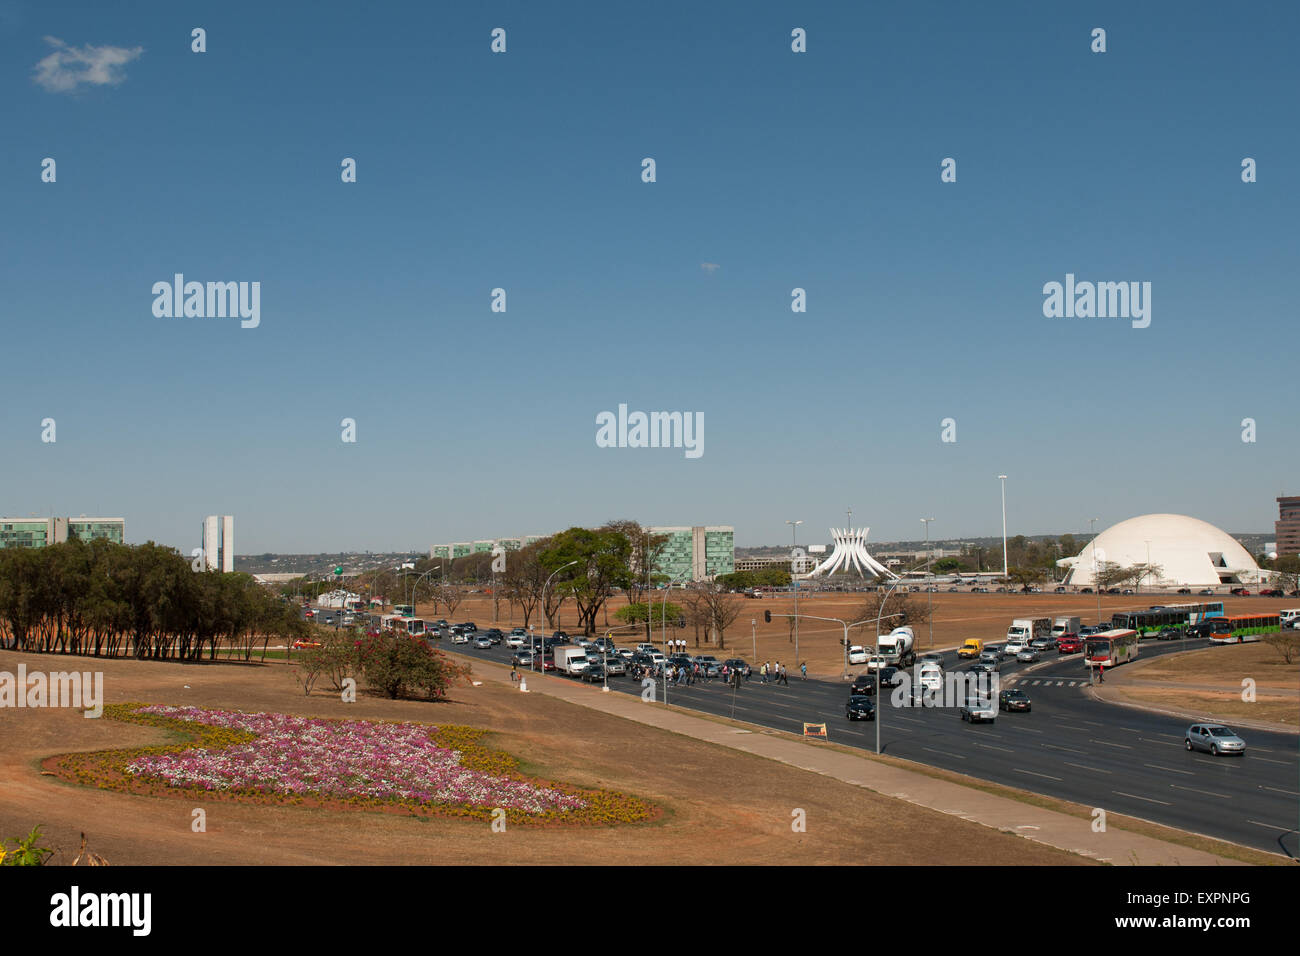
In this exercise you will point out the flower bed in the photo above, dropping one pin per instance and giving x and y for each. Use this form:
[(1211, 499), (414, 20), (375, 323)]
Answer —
[(386, 765)]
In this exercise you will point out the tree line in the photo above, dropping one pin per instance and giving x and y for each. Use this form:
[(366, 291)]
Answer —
[(103, 599)]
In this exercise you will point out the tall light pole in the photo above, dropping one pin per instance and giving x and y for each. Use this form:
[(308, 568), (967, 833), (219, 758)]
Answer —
[(1006, 571), (417, 584), (929, 600), (544, 587), (1096, 585), (794, 569)]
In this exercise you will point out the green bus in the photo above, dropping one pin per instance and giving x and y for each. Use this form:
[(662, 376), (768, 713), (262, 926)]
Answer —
[(1244, 628)]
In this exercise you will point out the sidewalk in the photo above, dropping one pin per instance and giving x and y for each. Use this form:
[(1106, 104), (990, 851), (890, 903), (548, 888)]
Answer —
[(1035, 823)]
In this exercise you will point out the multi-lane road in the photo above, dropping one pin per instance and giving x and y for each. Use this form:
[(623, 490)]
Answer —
[(1070, 745)]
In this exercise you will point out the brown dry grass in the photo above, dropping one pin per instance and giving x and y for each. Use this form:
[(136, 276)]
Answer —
[(721, 806), (1209, 681)]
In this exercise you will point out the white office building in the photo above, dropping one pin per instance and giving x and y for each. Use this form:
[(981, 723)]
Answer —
[(219, 543)]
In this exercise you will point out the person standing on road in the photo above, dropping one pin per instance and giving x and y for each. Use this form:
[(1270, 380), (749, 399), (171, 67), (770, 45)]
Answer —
[(762, 674), (1101, 673), (803, 670), (785, 676)]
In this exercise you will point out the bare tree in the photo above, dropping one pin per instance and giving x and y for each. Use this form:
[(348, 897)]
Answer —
[(451, 597), (721, 608)]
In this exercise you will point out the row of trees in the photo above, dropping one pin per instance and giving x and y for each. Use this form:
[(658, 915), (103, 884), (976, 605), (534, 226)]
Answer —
[(104, 599)]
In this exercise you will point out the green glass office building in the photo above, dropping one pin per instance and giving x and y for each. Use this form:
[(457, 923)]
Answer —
[(696, 553), (39, 532)]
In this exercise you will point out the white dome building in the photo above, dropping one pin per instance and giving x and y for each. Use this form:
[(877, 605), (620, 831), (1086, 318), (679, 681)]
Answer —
[(1188, 551)]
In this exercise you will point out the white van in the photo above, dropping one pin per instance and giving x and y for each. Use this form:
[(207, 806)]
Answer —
[(1025, 629), (1290, 618)]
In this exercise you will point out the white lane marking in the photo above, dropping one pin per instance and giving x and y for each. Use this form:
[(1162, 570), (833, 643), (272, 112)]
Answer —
[(1067, 749), (1150, 741), (1094, 723), (1083, 767), (1131, 730), (1136, 797), (1031, 730), (1094, 740), (1007, 750), (1271, 826), (1033, 774), (944, 752), (1284, 763), (1208, 793), (1277, 790), (1156, 766)]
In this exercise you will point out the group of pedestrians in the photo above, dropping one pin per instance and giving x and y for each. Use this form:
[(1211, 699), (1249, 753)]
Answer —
[(778, 673)]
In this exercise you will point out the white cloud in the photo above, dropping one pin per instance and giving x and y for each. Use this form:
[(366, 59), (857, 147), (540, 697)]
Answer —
[(70, 67), (710, 267)]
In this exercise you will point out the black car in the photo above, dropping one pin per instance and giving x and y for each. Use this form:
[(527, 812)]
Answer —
[(890, 677), (860, 707), (1203, 629), (863, 684), (468, 626), (1169, 634), (595, 673), (494, 634), (1014, 700)]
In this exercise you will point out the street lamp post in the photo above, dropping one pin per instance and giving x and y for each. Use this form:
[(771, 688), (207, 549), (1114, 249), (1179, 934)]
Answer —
[(1005, 569), (794, 570), (1096, 584), (544, 587), (929, 574)]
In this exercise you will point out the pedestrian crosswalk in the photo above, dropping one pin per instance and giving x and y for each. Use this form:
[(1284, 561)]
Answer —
[(1048, 682)]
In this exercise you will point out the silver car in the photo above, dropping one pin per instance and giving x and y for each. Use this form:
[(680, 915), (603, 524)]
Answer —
[(1028, 655), (1215, 739)]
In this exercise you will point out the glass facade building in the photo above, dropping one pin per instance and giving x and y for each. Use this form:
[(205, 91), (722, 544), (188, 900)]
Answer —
[(696, 553), (39, 532)]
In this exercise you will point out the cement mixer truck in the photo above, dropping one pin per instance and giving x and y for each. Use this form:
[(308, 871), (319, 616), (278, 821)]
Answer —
[(898, 647)]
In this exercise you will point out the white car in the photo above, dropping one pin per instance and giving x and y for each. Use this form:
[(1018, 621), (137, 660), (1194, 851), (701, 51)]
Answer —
[(516, 640), (876, 663), (459, 637), (857, 654), (1013, 647), (930, 678)]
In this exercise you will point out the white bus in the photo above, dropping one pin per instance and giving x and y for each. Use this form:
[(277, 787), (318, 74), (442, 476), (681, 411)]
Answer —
[(1110, 648), (411, 626)]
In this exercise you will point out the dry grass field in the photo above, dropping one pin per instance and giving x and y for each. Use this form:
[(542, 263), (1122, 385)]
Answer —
[(1209, 681), (721, 806)]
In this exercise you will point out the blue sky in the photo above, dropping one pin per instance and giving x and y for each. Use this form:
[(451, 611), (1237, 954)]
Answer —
[(522, 171)]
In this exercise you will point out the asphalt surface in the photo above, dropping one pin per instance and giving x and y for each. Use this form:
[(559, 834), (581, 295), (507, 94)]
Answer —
[(1068, 746)]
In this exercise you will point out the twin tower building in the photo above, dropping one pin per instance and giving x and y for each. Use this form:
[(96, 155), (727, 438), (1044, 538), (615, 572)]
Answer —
[(219, 543)]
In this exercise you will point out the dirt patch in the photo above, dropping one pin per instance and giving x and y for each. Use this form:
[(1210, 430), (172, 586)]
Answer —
[(720, 806)]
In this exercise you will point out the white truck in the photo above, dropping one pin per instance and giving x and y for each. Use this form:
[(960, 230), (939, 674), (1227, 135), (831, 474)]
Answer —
[(1025, 629), (571, 660), (898, 647), (1063, 626)]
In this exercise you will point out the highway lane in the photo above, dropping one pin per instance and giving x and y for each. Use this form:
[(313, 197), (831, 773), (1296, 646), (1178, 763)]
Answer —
[(1069, 746)]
